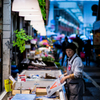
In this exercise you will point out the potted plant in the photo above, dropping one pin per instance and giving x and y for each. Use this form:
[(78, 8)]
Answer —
[(21, 37), (48, 60)]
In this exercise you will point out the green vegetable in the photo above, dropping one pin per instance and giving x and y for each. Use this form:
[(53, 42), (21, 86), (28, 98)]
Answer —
[(48, 59), (59, 67)]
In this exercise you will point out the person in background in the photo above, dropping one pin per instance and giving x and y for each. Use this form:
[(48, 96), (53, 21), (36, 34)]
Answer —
[(74, 74), (64, 44), (59, 49), (80, 44), (87, 49), (75, 42)]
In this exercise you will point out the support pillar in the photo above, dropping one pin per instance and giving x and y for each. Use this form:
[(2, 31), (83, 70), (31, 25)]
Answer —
[(6, 37)]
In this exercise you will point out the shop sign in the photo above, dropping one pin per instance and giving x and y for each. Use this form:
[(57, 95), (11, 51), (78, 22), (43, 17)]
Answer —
[(21, 78), (67, 29)]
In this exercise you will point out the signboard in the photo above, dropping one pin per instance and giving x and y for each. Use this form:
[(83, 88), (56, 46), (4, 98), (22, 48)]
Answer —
[(52, 88), (96, 25), (96, 38), (21, 78)]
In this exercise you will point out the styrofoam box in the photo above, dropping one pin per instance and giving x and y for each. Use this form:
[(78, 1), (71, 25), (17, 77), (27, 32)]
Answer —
[(54, 73)]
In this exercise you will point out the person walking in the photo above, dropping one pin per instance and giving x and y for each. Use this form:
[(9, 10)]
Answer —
[(87, 49), (64, 44), (80, 44), (74, 74), (75, 42)]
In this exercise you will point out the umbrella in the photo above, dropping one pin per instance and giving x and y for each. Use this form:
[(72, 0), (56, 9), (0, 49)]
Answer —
[(49, 33), (60, 36), (83, 37), (44, 42), (33, 41), (72, 36)]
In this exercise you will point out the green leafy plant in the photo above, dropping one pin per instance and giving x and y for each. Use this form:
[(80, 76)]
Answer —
[(59, 67), (48, 59), (42, 5), (21, 37)]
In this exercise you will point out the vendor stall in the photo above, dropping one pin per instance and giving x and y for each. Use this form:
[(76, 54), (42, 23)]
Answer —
[(40, 90)]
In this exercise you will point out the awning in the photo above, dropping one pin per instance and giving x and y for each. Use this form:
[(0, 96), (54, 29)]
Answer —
[(25, 5), (30, 10)]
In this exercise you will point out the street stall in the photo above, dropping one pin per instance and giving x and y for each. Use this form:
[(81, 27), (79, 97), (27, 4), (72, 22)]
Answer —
[(36, 82), (38, 88), (40, 58), (38, 85)]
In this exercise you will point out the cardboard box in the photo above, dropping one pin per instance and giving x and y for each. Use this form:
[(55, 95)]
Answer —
[(17, 91), (14, 92), (41, 91)]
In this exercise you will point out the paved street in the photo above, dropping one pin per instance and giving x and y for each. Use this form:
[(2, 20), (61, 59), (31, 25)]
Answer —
[(92, 90)]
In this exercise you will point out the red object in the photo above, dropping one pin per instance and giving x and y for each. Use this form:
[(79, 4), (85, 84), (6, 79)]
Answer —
[(72, 38), (69, 67), (54, 85), (9, 98), (82, 55)]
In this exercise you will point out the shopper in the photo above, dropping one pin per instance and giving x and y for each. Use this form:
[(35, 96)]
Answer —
[(64, 44), (80, 44), (75, 42), (73, 76), (87, 49)]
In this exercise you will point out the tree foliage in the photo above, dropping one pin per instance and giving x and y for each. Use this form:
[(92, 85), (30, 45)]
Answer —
[(42, 5)]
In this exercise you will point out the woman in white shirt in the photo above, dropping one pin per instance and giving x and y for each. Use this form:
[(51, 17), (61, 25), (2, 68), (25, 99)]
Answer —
[(73, 74)]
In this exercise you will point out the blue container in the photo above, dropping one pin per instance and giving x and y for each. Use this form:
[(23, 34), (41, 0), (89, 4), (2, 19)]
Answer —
[(13, 66), (15, 71)]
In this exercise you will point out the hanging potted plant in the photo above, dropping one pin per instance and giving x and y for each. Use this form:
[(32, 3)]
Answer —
[(21, 37)]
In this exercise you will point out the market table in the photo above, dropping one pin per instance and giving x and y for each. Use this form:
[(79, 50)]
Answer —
[(41, 82)]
